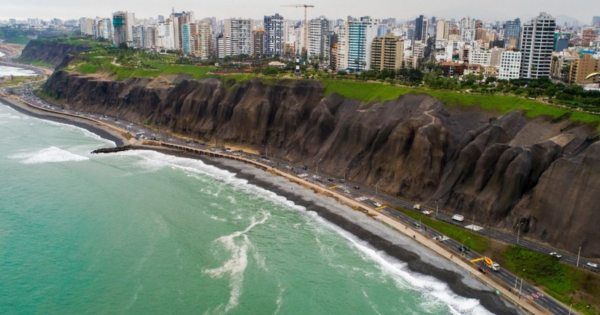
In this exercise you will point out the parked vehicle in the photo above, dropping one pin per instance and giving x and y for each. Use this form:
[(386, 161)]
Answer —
[(458, 217)]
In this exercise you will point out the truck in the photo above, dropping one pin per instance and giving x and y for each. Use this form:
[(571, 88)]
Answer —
[(458, 217), (491, 265)]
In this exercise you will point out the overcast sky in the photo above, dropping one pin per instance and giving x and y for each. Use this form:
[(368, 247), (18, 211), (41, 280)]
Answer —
[(487, 10)]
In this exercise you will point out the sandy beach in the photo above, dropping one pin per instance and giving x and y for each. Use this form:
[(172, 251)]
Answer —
[(376, 233)]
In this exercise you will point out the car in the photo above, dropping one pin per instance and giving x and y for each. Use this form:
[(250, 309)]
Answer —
[(330, 179), (555, 254), (440, 238), (417, 225), (377, 204), (356, 187), (426, 212), (593, 265), (346, 191), (464, 249), (458, 217)]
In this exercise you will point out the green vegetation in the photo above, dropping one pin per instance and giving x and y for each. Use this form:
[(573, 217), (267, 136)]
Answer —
[(18, 40), (16, 81), (38, 63), (565, 283), (475, 241), (367, 91)]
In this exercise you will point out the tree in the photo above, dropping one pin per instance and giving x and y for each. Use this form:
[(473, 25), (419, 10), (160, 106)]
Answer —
[(123, 45)]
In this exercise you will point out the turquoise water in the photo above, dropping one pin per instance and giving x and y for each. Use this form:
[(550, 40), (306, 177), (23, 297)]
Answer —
[(144, 233)]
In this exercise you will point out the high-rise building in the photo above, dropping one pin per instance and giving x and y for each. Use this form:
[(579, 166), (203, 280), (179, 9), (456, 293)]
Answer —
[(260, 40), (596, 21), (239, 34), (480, 57), (204, 40), (319, 38), (342, 48), (87, 26), (223, 46), (582, 67), (274, 42), (186, 39), (123, 27), (151, 36), (421, 25), (165, 35), (139, 37), (588, 36), (104, 28), (512, 29), (537, 40), (442, 30), (360, 36), (180, 19), (510, 65), (387, 53)]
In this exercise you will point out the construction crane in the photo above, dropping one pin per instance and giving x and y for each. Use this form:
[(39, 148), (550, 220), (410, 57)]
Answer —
[(305, 6)]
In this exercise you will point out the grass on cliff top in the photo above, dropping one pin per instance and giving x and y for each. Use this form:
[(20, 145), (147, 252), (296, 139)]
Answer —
[(367, 92), (38, 63)]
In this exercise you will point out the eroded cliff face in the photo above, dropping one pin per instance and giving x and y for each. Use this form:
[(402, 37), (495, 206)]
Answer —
[(500, 169), (50, 52)]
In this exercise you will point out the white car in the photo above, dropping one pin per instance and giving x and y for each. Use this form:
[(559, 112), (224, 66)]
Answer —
[(426, 212), (441, 238), (555, 254), (593, 265), (346, 191), (377, 204)]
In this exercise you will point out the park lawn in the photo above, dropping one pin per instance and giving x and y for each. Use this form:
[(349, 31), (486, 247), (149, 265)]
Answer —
[(475, 241), (367, 92)]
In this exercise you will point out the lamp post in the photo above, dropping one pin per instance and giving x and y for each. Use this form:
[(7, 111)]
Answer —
[(437, 208), (578, 255), (518, 232)]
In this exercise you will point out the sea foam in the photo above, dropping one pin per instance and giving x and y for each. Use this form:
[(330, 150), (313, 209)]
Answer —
[(48, 155)]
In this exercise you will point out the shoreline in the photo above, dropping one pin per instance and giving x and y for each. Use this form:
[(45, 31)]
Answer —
[(455, 276), (97, 129)]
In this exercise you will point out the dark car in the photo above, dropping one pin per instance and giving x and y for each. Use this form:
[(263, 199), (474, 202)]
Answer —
[(356, 187), (330, 179), (464, 249)]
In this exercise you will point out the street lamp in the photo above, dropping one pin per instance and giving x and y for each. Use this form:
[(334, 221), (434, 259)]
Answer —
[(518, 232), (437, 208)]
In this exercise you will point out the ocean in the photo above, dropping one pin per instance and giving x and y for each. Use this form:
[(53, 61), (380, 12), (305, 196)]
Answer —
[(141, 232)]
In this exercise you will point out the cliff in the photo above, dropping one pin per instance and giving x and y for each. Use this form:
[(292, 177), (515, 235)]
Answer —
[(50, 51), (504, 170)]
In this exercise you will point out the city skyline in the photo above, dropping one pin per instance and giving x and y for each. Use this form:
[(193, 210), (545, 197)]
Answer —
[(487, 11)]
